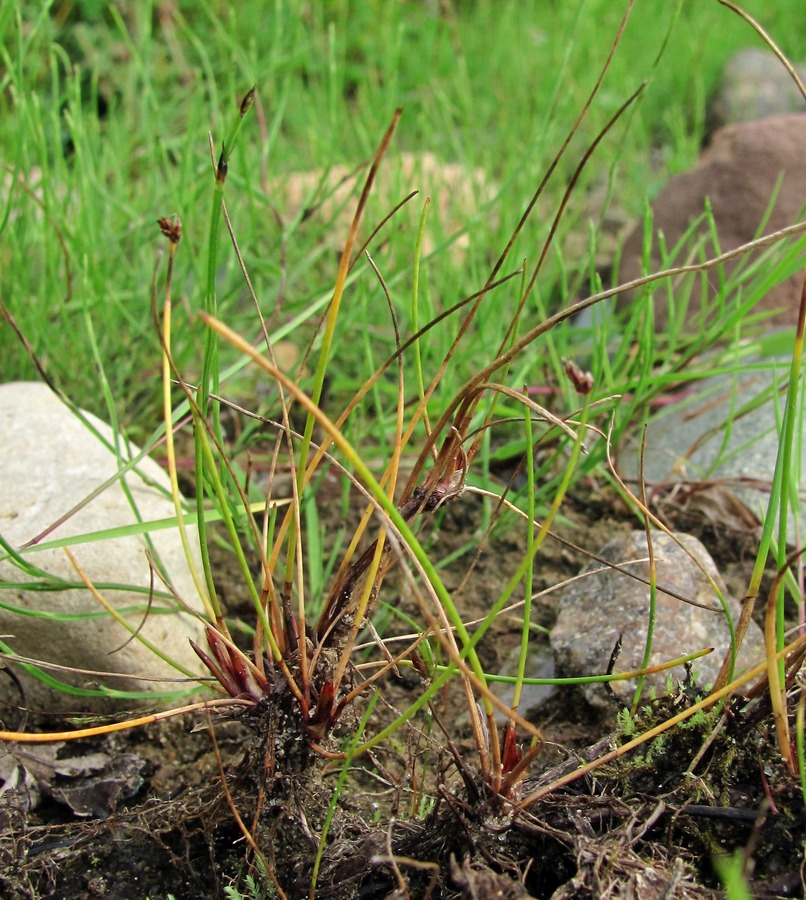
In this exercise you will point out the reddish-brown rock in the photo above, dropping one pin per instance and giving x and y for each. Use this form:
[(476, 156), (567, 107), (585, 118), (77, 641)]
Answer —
[(738, 172)]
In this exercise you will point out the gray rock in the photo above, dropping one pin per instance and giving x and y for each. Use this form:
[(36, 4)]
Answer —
[(595, 611), (539, 664), (703, 438), (738, 173), (51, 461), (755, 85)]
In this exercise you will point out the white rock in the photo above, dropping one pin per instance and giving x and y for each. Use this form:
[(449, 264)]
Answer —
[(51, 462)]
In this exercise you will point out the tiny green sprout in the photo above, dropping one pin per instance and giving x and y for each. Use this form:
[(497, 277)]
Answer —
[(626, 724), (427, 806), (730, 870), (698, 720)]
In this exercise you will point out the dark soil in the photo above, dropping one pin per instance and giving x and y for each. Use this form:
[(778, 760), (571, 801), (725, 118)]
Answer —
[(414, 820)]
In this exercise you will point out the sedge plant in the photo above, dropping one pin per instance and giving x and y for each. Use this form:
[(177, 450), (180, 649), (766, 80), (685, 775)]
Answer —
[(283, 633), (305, 673)]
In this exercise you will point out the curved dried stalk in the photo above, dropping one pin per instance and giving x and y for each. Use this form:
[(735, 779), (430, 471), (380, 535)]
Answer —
[(327, 340), (24, 737), (706, 703)]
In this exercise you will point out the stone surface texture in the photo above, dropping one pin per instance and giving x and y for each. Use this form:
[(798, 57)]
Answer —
[(596, 610), (703, 441), (756, 85), (539, 664), (457, 192), (738, 173), (51, 462)]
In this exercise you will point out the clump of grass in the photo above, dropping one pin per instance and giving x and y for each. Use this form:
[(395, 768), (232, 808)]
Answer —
[(304, 684)]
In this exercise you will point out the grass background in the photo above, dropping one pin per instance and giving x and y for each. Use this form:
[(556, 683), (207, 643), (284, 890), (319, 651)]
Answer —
[(106, 109)]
